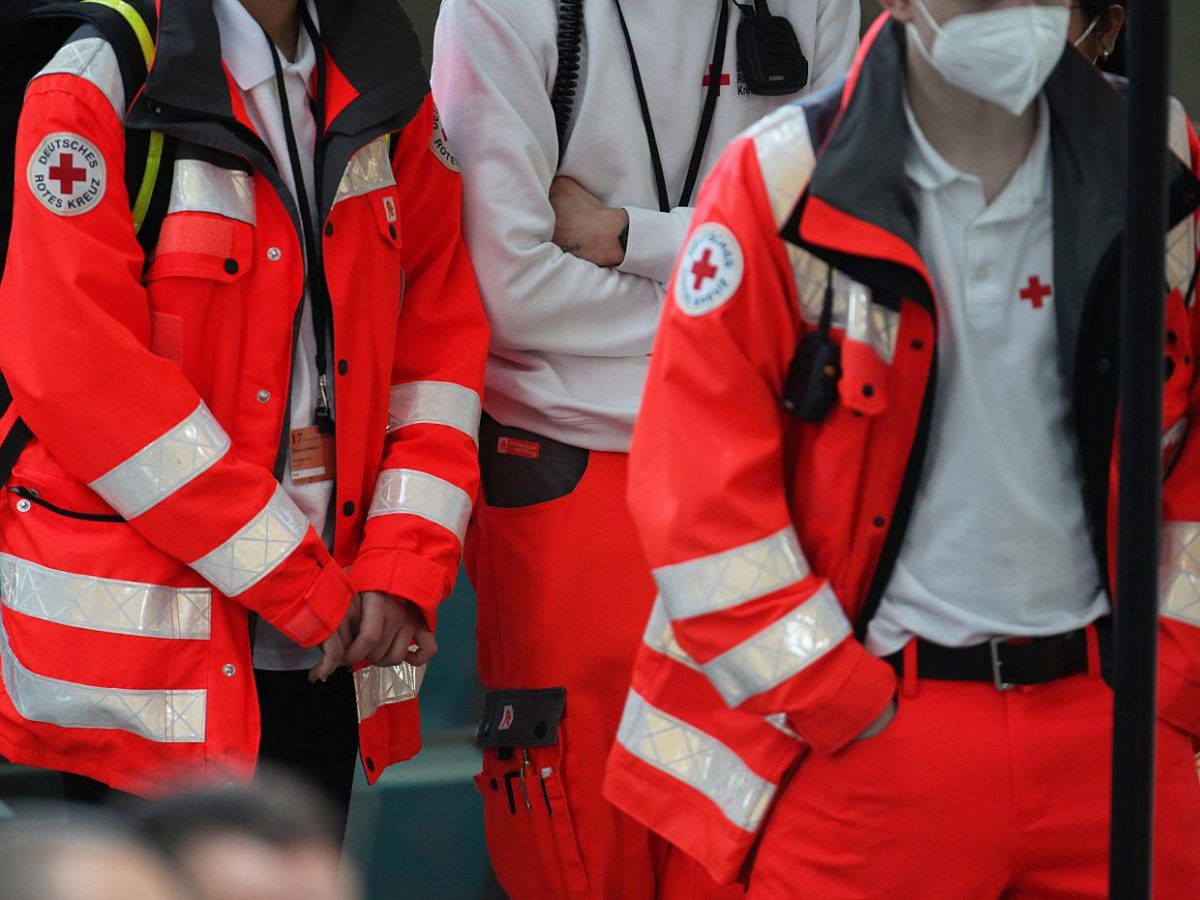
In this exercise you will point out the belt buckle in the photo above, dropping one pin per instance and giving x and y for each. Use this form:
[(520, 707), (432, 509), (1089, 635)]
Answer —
[(997, 682)]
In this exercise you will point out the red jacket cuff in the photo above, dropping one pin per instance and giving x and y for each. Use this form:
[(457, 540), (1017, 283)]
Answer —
[(856, 704), (403, 573), (319, 611)]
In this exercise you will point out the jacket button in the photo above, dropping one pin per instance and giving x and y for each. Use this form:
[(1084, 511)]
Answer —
[(231, 266), (328, 229), (348, 508), (878, 521), (868, 390), (274, 254), (1104, 365), (917, 344), (263, 396), (229, 670), (343, 367), (370, 764), (23, 505), (392, 231)]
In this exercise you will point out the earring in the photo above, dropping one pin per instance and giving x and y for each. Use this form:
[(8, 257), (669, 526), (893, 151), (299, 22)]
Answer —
[(1105, 52)]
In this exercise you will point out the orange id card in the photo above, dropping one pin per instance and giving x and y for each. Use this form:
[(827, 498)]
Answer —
[(312, 455)]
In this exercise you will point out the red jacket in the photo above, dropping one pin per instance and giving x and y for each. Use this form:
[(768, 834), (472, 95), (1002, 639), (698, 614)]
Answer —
[(151, 521), (772, 540)]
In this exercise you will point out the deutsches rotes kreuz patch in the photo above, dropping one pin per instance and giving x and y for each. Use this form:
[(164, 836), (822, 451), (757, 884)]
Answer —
[(440, 144), (67, 174), (710, 271)]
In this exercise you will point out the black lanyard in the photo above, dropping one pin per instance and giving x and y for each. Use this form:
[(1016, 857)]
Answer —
[(322, 313), (706, 117)]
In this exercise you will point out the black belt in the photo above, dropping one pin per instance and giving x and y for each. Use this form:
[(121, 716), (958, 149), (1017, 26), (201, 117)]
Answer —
[(1007, 663)]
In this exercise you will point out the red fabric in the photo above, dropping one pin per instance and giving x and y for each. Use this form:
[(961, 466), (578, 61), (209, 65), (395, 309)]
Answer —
[(391, 735), (971, 792), (1179, 641), (79, 358), (564, 594), (716, 464)]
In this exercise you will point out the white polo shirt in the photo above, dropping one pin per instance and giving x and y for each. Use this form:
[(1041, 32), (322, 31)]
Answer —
[(246, 52), (998, 543)]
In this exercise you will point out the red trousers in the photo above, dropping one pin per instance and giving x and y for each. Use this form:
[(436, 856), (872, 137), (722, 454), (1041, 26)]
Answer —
[(975, 793), (564, 594)]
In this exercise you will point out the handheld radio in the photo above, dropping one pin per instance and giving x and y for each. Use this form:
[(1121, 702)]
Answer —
[(769, 52)]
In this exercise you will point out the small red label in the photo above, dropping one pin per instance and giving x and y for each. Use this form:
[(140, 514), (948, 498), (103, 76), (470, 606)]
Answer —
[(511, 446)]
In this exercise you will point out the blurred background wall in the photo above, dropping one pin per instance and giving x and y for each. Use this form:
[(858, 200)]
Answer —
[(1185, 54)]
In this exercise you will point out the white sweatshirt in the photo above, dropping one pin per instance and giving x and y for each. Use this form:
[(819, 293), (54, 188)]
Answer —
[(570, 340)]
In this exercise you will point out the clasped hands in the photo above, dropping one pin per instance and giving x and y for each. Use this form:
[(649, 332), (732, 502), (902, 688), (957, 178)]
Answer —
[(381, 629)]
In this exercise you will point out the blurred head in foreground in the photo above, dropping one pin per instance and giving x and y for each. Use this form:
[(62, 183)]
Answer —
[(269, 841), (90, 859)]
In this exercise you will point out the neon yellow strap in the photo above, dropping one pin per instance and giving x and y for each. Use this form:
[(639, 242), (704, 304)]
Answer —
[(136, 22), (153, 161), (141, 31)]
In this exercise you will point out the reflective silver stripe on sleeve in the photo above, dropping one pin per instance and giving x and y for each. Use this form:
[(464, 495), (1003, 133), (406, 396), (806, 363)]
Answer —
[(436, 403), (1177, 131), (254, 552), (166, 717), (421, 494), (730, 578), (368, 170), (781, 650), (375, 687), (785, 158), (697, 759), (1181, 240), (1181, 254), (199, 186), (660, 636), (1179, 575), (164, 465), (95, 60), (854, 308), (104, 604)]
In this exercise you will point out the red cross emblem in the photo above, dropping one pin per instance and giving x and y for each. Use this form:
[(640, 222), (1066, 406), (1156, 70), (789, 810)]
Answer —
[(703, 269), (66, 174), (1035, 292), (724, 82)]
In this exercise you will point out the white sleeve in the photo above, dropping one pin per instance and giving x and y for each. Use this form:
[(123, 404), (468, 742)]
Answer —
[(835, 42), (491, 82), (655, 239)]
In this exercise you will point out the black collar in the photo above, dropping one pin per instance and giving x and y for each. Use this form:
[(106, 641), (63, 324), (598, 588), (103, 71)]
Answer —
[(860, 174), (371, 42)]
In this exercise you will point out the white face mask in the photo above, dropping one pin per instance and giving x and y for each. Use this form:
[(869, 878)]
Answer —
[(1003, 56)]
